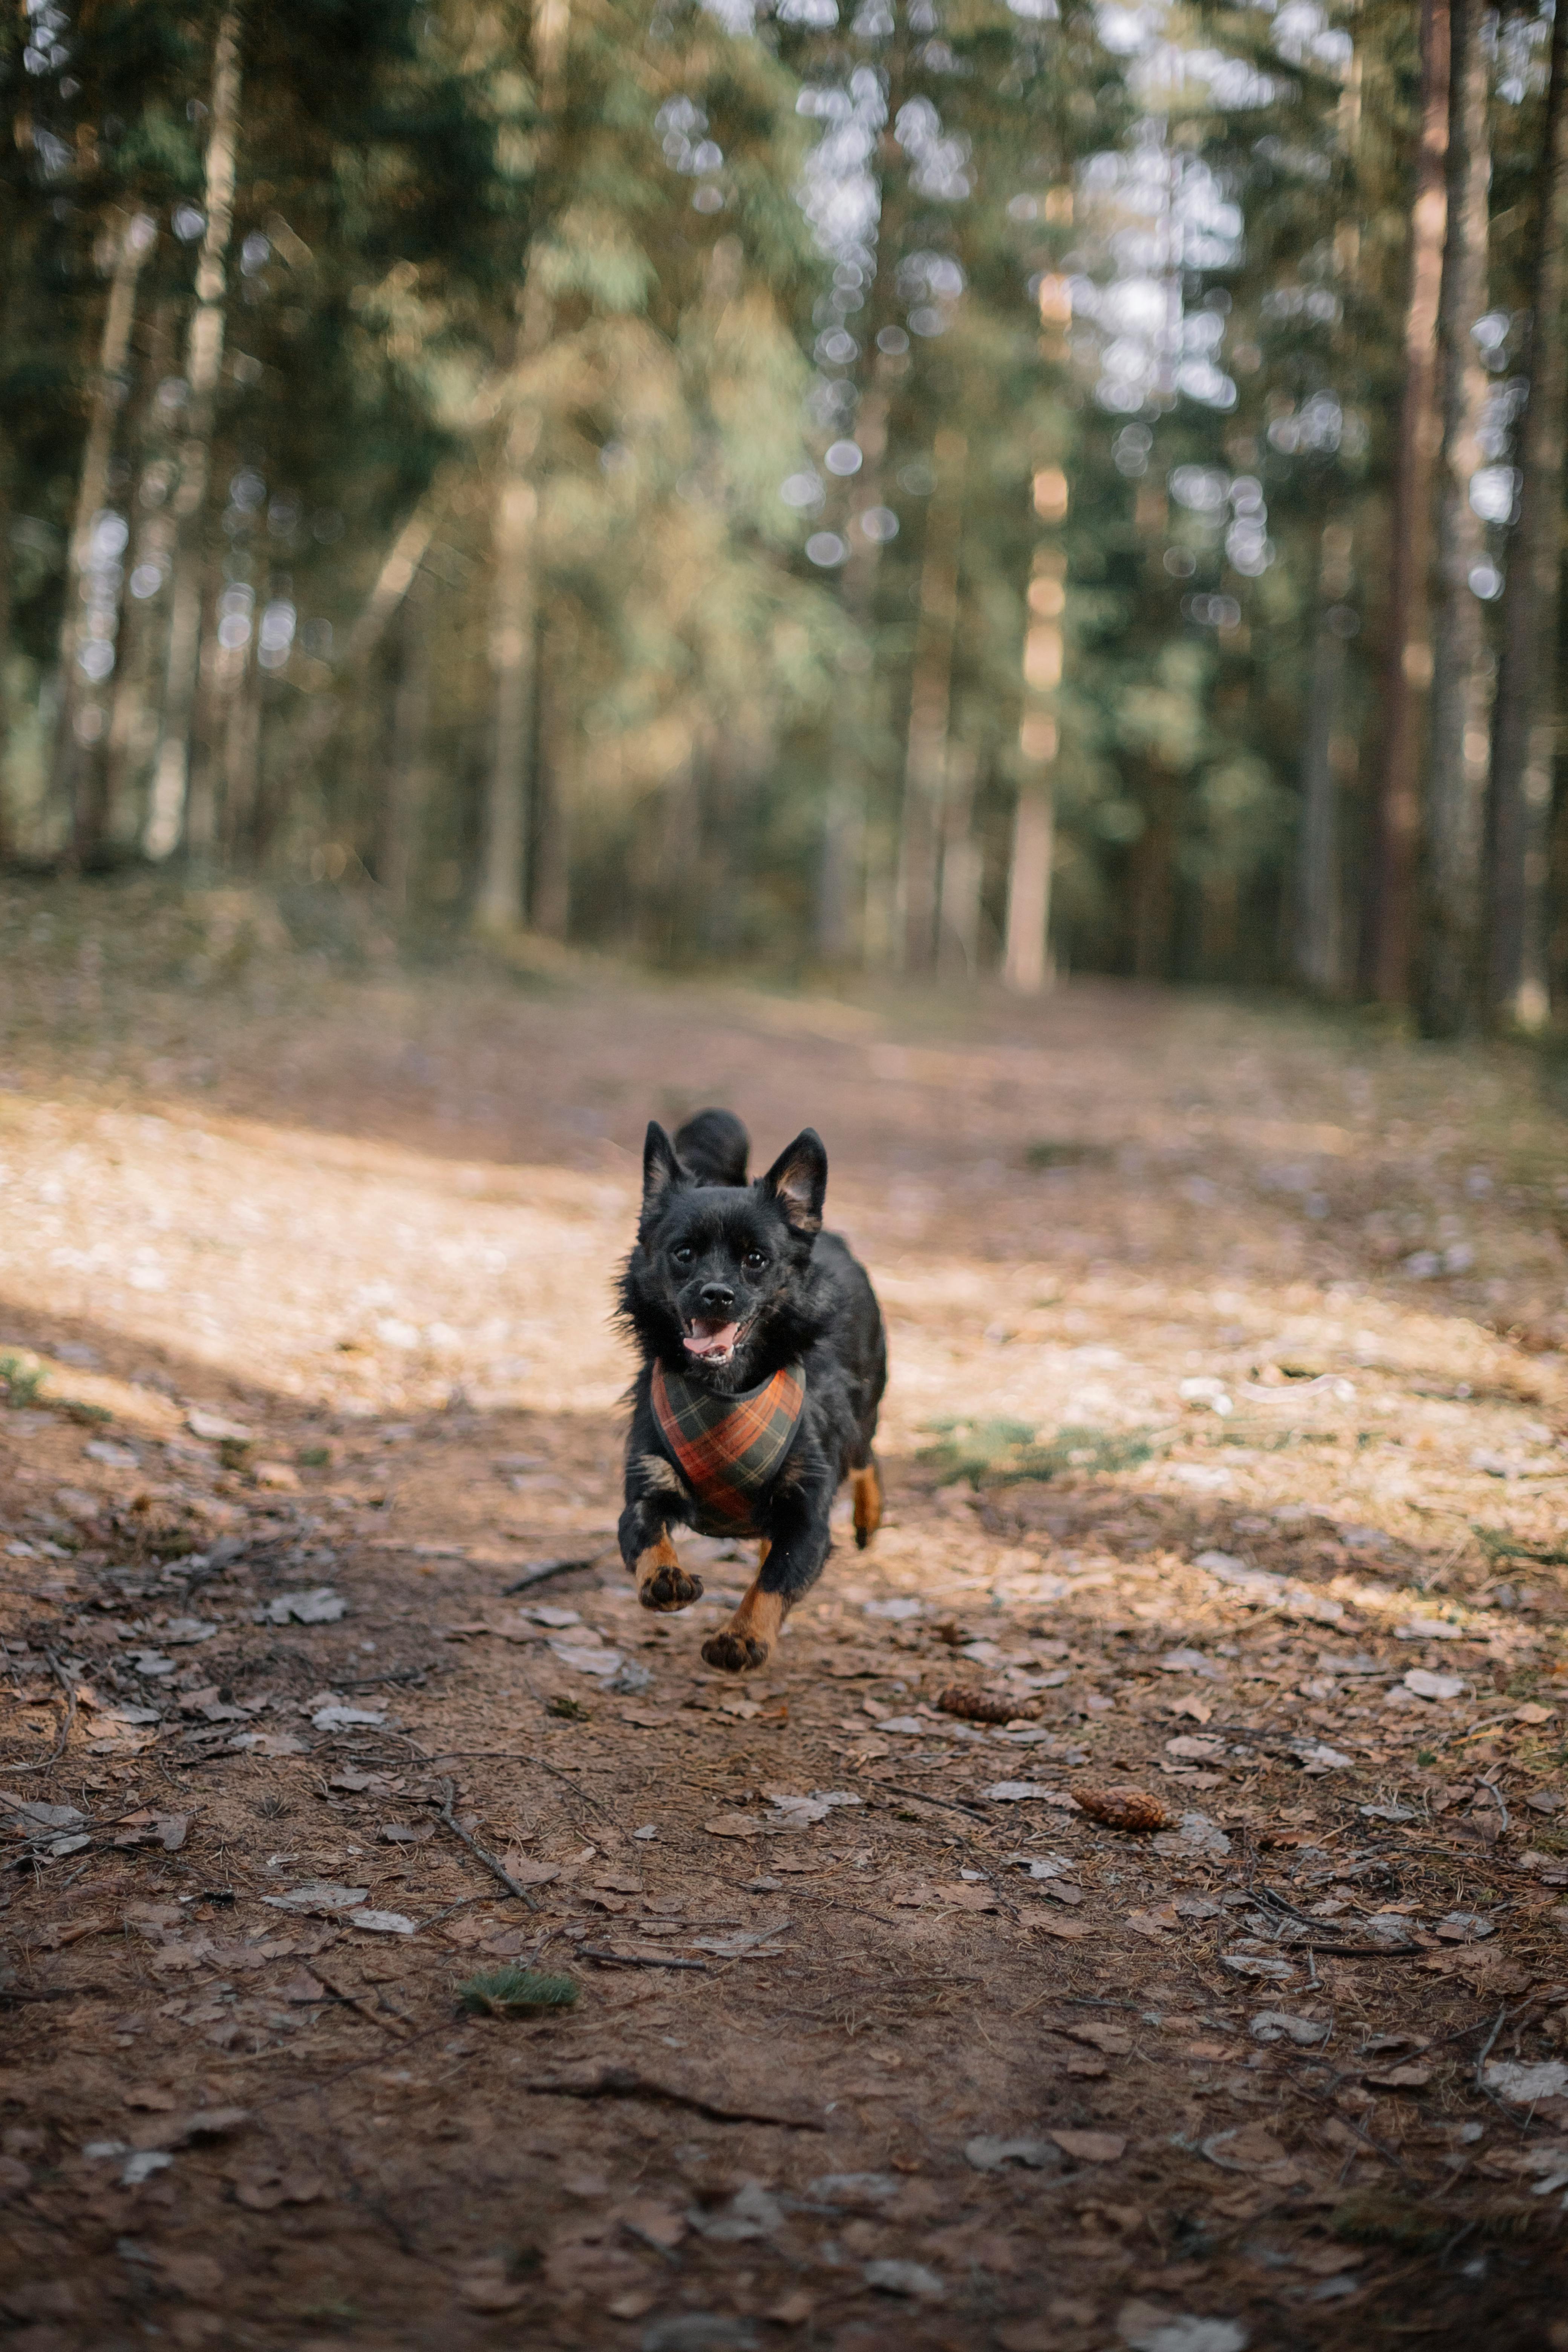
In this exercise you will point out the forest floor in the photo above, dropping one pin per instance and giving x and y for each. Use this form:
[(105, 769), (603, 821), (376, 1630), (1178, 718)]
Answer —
[(1227, 1435)]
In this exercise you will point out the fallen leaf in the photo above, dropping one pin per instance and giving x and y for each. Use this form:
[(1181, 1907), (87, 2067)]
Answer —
[(1532, 1714), (963, 1897), (1114, 2040), (1066, 1931), (795, 2310), (1464, 1927), (383, 1922), (1090, 2070), (196, 2275), (1279, 2025), (1522, 2085), (490, 2286), (151, 2100), (1400, 2078), (1428, 1685), (1090, 2146), (734, 1825), (904, 2278), (324, 1895)]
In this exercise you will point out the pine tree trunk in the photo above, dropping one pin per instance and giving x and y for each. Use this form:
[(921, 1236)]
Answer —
[(1317, 932), (241, 758), (1524, 738), (84, 600), (1448, 965), (552, 864), (501, 897), (958, 941), (204, 366), (1026, 966), (407, 753), (139, 648), (1389, 928), (930, 694)]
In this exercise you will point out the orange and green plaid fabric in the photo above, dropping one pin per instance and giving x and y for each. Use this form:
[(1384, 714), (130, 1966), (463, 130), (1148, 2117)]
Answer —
[(728, 1448)]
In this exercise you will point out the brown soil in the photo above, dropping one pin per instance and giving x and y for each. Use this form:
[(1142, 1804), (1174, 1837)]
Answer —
[(1226, 1398)]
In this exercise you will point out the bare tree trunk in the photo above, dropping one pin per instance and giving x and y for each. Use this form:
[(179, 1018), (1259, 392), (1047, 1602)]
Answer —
[(241, 757), (930, 695), (1524, 738), (92, 586), (1318, 911), (407, 758), (1408, 673), (204, 366), (1026, 965), (553, 868), (958, 930), (1449, 966), (502, 895)]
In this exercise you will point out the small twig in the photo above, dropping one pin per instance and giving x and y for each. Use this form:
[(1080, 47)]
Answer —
[(1486, 2049), (624, 2082), (352, 1999), (490, 1863), (954, 1804), (639, 1959), (58, 1992), (401, 1674), (543, 1570)]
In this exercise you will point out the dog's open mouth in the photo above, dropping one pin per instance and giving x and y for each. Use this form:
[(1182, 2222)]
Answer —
[(713, 1342)]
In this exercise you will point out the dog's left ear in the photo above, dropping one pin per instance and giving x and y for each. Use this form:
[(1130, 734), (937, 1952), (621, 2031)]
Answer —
[(798, 1180), (661, 1171)]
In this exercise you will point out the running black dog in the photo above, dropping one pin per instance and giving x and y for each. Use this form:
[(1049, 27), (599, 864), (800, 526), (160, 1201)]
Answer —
[(764, 1367)]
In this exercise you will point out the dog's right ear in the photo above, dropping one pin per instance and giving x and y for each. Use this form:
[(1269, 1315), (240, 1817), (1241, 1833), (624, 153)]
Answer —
[(662, 1172)]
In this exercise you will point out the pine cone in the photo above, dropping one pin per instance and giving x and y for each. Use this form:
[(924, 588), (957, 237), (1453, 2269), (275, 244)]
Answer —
[(981, 1706), (1122, 1809)]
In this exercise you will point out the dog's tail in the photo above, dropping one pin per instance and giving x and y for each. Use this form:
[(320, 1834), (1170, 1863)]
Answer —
[(713, 1145)]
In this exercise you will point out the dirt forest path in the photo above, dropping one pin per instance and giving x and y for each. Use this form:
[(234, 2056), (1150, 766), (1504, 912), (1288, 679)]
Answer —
[(1226, 1448)]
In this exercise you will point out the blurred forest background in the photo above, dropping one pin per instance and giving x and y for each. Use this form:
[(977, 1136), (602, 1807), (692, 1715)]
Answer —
[(956, 487)]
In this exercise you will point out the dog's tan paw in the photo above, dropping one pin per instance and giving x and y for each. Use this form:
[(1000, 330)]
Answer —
[(662, 1583), (747, 1642), (736, 1652), (668, 1589)]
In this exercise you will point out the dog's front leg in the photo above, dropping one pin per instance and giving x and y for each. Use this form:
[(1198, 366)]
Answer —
[(792, 1559), (646, 1548)]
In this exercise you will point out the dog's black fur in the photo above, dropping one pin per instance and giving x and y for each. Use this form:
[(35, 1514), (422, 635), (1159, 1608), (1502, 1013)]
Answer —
[(713, 1254)]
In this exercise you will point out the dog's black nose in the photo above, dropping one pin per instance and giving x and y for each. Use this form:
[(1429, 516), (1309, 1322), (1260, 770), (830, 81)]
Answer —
[(718, 1297)]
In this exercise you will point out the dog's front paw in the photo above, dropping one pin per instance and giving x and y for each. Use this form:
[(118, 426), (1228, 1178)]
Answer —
[(735, 1651), (665, 1586)]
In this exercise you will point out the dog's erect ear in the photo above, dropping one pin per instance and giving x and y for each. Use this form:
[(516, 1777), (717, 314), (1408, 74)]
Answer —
[(662, 1172), (798, 1180)]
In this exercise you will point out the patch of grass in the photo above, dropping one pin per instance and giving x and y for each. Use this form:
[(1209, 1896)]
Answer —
[(570, 1710), (1004, 1452), (89, 1416), (515, 1992), (1498, 1544), (24, 1383), (1376, 2218), (314, 1457), (1062, 1153)]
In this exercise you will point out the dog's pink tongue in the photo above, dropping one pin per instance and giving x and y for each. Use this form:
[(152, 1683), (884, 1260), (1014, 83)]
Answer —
[(705, 1339)]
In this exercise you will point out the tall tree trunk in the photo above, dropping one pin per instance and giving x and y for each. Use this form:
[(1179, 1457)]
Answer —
[(1449, 967), (552, 864), (92, 593), (1389, 926), (958, 929), (502, 895), (407, 753), (1026, 961), (1524, 736), (931, 696), (204, 366), (1318, 912), (241, 753), (139, 650)]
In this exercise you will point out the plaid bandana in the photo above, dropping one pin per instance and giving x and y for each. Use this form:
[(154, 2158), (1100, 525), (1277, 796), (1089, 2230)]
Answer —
[(728, 1447)]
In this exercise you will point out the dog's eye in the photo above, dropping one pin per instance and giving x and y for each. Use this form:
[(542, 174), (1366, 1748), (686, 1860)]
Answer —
[(681, 1254), (753, 1260)]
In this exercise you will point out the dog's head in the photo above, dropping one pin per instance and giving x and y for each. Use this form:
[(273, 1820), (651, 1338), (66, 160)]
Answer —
[(720, 1285)]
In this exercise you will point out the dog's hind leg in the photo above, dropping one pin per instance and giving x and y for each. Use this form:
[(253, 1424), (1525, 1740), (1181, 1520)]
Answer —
[(866, 1486), (662, 1583)]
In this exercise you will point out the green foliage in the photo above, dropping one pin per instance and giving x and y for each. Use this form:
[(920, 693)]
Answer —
[(23, 1383), (1004, 1452), (516, 1993)]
